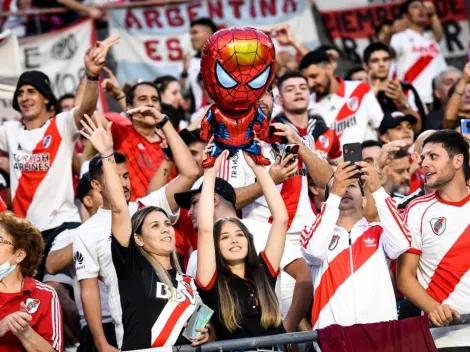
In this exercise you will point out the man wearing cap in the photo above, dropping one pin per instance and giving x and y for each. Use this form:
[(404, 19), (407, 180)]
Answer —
[(397, 126), (40, 147), (61, 257), (292, 262)]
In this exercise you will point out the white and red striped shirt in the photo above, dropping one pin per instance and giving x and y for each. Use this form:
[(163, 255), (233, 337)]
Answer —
[(351, 279), (441, 237), (41, 170), (353, 111), (419, 59)]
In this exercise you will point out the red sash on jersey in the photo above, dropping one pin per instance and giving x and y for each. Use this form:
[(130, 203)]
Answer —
[(30, 180), (418, 67)]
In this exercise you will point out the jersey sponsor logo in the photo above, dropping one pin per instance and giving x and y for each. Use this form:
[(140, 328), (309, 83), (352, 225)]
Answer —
[(32, 305), (46, 142), (430, 50), (334, 242), (341, 126), (324, 140), (78, 260), (353, 103), (438, 225), (370, 242), (34, 162)]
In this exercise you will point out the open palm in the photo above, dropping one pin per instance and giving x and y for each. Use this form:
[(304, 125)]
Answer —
[(100, 137)]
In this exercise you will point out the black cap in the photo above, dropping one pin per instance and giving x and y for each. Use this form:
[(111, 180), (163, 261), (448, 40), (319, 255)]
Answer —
[(222, 188), (38, 80), (393, 119), (84, 186), (190, 136)]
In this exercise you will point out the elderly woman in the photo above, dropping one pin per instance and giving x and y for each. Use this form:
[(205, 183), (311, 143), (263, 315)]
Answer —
[(30, 315)]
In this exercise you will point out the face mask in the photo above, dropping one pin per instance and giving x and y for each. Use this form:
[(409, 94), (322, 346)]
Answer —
[(6, 268)]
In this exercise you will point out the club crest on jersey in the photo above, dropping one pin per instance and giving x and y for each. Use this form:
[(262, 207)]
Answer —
[(46, 142), (353, 103), (438, 225), (334, 242), (324, 140), (32, 305)]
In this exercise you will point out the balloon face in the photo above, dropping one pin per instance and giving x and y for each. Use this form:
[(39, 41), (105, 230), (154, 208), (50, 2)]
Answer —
[(237, 67)]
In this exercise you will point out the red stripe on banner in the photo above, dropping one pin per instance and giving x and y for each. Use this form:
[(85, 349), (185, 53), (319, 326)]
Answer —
[(339, 270), (418, 67), (30, 180), (290, 193), (451, 268), (170, 324)]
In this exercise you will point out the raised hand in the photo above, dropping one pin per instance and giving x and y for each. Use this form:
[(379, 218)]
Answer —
[(369, 176), (216, 167), (388, 150), (149, 115), (281, 170), (101, 138), (95, 56), (344, 178), (111, 85)]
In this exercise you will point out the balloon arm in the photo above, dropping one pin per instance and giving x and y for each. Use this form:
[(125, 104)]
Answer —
[(206, 128)]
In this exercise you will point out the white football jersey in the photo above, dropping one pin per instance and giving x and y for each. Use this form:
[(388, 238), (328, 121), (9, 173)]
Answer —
[(441, 237), (41, 170), (418, 59), (353, 111)]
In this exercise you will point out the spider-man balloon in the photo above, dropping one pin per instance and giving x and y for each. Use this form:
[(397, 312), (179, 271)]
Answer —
[(237, 67)]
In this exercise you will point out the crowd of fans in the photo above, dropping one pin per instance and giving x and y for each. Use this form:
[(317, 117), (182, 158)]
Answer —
[(112, 235)]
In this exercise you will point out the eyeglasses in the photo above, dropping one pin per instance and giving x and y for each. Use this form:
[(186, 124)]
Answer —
[(2, 241)]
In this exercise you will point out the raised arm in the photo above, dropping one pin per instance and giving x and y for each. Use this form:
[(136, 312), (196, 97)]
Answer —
[(206, 266), (94, 61), (277, 235), (453, 105), (102, 140), (396, 237), (316, 238)]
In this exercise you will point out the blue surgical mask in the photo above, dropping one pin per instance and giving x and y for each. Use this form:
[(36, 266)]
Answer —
[(6, 268)]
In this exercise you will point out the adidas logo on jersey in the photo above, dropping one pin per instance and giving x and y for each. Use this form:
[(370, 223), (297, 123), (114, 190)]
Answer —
[(370, 242)]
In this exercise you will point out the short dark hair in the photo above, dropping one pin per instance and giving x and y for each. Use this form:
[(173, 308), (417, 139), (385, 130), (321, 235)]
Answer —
[(406, 5), (289, 75), (315, 57), (130, 94), (163, 82), (348, 75), (95, 168), (400, 154), (454, 143), (66, 96), (385, 22), (372, 48), (205, 21), (371, 143)]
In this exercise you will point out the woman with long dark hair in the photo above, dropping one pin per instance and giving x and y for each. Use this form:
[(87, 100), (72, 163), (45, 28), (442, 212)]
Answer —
[(233, 280), (157, 299)]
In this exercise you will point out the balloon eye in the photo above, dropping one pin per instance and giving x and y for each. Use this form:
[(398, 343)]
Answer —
[(261, 80), (224, 78)]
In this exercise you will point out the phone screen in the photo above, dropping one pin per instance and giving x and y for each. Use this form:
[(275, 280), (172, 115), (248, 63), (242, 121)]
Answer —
[(465, 126)]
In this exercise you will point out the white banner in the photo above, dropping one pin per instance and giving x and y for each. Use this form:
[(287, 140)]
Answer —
[(352, 23), (154, 40), (59, 54)]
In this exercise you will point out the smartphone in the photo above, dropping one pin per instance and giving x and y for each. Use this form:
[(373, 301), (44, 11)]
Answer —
[(352, 152), (290, 149), (201, 316), (465, 126)]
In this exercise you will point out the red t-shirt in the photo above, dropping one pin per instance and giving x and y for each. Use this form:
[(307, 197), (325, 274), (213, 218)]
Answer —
[(43, 305), (143, 157)]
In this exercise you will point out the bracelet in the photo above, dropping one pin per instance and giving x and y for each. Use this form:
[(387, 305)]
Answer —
[(121, 97), (184, 74), (106, 157), (163, 122), (93, 78)]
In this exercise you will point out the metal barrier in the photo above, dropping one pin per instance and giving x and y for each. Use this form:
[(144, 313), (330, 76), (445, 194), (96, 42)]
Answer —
[(282, 339)]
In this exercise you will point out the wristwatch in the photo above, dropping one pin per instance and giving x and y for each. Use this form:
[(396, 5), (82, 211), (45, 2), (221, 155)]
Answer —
[(163, 122), (405, 106)]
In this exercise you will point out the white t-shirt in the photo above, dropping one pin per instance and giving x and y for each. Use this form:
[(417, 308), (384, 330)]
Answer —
[(62, 240), (440, 233), (260, 232), (418, 59), (41, 170), (93, 244), (353, 111), (294, 191), (192, 81)]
